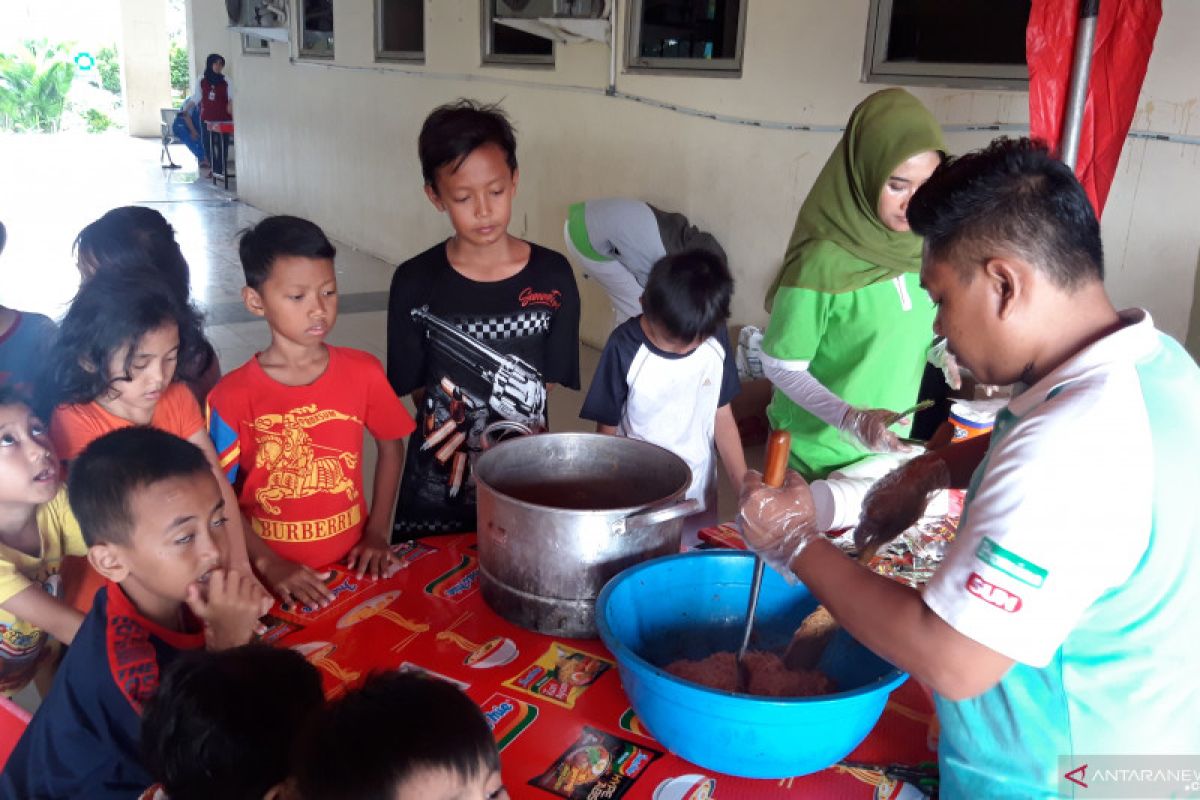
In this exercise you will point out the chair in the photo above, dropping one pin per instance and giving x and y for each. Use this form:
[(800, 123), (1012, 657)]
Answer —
[(168, 137), (13, 722)]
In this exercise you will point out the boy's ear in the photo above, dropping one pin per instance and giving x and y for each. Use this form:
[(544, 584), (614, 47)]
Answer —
[(107, 559), (516, 177), (253, 301), (431, 193), (1006, 282)]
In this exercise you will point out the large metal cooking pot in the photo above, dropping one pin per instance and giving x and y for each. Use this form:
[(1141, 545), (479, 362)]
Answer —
[(561, 513)]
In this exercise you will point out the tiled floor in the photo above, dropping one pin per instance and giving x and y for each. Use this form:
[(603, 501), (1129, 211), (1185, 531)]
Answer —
[(67, 181)]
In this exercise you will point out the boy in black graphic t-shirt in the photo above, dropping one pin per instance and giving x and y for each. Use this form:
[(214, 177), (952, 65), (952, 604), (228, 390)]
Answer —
[(478, 325)]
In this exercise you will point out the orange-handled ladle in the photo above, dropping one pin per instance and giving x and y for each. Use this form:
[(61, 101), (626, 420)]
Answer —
[(774, 470)]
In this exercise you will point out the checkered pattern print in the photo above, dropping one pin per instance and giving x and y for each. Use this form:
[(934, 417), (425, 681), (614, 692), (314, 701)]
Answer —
[(516, 326)]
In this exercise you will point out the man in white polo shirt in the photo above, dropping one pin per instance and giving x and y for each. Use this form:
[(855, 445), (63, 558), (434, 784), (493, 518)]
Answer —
[(1065, 620)]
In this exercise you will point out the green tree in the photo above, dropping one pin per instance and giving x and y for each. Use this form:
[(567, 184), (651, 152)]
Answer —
[(108, 66), (179, 68), (34, 85)]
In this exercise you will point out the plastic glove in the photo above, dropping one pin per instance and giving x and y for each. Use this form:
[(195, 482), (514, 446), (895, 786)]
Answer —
[(940, 356), (777, 523), (897, 501), (869, 427)]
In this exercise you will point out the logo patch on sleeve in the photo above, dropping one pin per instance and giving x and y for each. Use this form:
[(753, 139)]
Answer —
[(1008, 562), (992, 594)]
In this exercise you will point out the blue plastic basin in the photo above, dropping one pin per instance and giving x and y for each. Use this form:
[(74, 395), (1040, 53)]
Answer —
[(689, 606)]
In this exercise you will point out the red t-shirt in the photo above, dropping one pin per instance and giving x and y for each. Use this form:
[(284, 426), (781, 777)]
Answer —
[(294, 453), (74, 427)]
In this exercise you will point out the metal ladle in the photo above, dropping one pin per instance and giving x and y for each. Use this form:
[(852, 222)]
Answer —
[(774, 470)]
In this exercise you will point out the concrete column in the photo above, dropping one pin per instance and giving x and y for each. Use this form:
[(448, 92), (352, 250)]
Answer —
[(145, 67), (208, 32)]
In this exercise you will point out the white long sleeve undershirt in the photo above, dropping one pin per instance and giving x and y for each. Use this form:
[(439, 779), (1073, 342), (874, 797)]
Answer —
[(798, 384)]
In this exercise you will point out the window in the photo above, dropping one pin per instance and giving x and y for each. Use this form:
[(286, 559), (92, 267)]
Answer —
[(704, 36), (254, 46), (400, 30), (967, 43), (504, 44), (316, 28)]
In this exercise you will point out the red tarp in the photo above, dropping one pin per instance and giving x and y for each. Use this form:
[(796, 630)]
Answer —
[(1124, 38)]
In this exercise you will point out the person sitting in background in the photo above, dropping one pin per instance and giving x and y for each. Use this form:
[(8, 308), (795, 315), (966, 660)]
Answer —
[(25, 337), (153, 517), (667, 376), (401, 736), (222, 725), (37, 529), (186, 128), (617, 240), (136, 237)]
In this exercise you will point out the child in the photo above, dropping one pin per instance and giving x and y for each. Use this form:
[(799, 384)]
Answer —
[(24, 339), (289, 423), (360, 748), (477, 324), (134, 237), (151, 512), (222, 724), (668, 375), (120, 359), (36, 530)]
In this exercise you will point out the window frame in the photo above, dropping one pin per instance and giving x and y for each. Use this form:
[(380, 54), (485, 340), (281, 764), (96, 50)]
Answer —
[(877, 69), (251, 50), (490, 59), (405, 56), (307, 53), (699, 67)]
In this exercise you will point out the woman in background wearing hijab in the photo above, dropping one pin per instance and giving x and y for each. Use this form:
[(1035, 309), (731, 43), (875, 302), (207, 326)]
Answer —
[(214, 97), (850, 324)]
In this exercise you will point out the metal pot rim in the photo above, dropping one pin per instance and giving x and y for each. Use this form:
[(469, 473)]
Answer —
[(622, 511)]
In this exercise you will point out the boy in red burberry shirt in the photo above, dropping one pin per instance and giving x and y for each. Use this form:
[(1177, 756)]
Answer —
[(289, 424)]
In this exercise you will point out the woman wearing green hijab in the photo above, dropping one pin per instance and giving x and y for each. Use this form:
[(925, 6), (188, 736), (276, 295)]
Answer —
[(850, 324)]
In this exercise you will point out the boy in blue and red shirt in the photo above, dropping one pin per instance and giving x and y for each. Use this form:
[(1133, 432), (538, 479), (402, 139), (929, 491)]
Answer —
[(152, 515), (289, 424)]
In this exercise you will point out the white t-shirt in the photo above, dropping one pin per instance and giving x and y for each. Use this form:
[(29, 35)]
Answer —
[(666, 399), (1076, 556)]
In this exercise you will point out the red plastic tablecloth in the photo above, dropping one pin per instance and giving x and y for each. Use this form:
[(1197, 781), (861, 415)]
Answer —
[(431, 616)]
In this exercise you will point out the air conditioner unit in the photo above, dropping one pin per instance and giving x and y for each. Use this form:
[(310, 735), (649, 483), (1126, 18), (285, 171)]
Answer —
[(540, 9)]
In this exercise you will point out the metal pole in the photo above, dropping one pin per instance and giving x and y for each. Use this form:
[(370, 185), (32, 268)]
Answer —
[(1081, 70), (612, 48)]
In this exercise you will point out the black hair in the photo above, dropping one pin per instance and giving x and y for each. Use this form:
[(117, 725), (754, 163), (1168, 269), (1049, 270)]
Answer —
[(114, 310), (105, 475), (1015, 196), (134, 237), (368, 743), (209, 75), (14, 395), (688, 293), (222, 723), (453, 131), (278, 237)]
